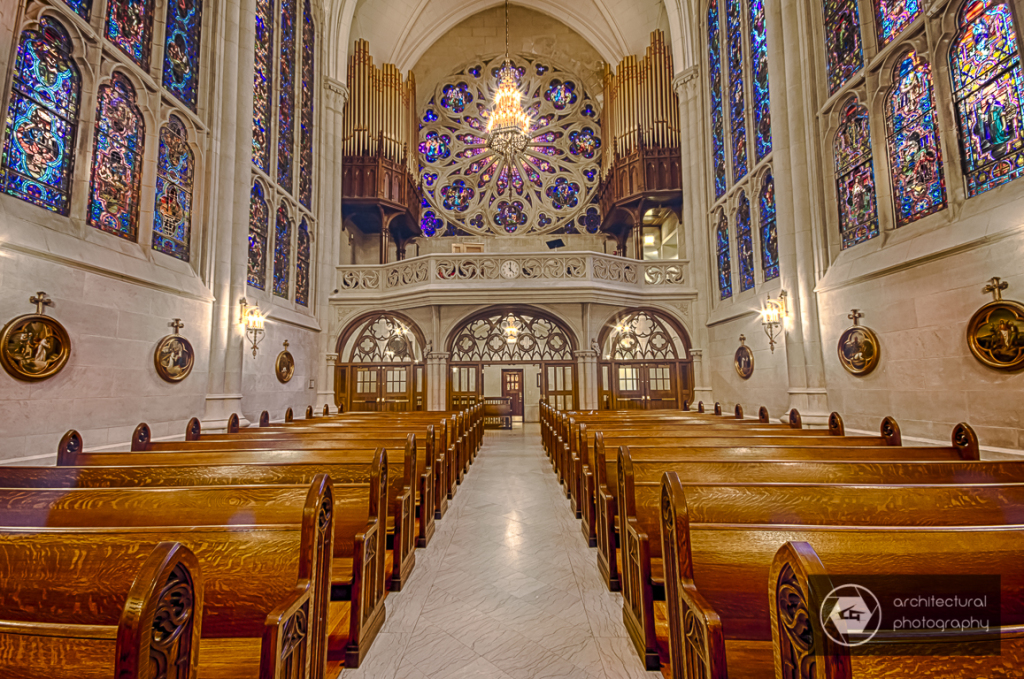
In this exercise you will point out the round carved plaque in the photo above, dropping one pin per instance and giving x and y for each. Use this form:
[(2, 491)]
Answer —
[(34, 347), (995, 335), (285, 366), (858, 350), (743, 360), (174, 358)]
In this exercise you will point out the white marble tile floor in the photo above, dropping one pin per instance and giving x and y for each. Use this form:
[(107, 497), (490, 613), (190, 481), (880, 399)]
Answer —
[(508, 588)]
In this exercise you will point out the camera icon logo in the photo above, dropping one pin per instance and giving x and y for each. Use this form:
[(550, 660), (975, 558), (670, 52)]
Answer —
[(855, 615)]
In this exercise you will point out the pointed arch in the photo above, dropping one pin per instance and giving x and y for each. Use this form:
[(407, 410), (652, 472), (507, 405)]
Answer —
[(172, 220), (744, 243), (769, 228), (259, 226), (855, 176), (302, 255), (724, 257), (117, 160), (282, 250)]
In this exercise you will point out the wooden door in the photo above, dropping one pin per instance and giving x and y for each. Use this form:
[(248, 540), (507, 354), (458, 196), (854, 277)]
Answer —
[(512, 387), (660, 386), (396, 384), (366, 388), (464, 387), (629, 386), (559, 386)]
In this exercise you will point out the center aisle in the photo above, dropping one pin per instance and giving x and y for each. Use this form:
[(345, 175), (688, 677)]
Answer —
[(508, 587)]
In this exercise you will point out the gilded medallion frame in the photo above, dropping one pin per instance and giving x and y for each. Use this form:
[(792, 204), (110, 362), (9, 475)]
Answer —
[(858, 347), (284, 367), (34, 347), (743, 359), (995, 333), (174, 356)]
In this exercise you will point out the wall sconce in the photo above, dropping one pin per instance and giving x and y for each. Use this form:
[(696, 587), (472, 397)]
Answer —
[(773, 316), (252, 319)]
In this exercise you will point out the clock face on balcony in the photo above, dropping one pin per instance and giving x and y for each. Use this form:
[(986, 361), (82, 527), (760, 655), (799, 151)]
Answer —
[(509, 269), (547, 186)]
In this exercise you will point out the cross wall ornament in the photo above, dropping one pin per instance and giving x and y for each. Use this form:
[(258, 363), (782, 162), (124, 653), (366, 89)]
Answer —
[(41, 300)]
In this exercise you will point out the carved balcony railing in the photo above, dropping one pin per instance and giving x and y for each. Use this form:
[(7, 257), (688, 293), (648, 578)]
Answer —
[(542, 274)]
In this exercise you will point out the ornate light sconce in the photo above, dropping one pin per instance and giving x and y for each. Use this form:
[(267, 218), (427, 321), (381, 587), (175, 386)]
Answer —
[(773, 316), (252, 320)]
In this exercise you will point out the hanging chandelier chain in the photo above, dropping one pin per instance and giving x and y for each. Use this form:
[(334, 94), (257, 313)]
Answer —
[(506, 30)]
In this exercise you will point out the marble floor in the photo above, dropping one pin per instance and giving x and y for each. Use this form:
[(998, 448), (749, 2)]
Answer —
[(508, 588)]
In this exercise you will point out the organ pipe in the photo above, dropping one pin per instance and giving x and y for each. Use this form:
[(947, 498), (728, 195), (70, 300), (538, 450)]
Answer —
[(380, 118), (640, 106)]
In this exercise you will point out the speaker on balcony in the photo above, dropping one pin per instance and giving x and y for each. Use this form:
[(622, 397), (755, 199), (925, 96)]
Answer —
[(555, 244)]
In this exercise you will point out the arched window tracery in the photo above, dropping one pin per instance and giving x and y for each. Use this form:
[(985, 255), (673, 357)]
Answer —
[(643, 336), (385, 338), (172, 221), (282, 250), (511, 336), (117, 160), (744, 243), (724, 257), (259, 226), (769, 229), (302, 255), (855, 176)]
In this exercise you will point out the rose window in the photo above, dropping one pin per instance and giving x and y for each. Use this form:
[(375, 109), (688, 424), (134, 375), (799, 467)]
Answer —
[(547, 185)]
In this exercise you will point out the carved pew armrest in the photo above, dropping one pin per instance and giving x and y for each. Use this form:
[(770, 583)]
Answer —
[(700, 637), (286, 640), (368, 577)]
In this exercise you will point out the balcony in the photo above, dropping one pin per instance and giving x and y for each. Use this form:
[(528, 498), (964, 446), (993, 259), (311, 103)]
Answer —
[(534, 277)]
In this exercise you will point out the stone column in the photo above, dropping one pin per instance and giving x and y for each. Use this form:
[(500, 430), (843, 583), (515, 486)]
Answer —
[(695, 220), (791, 63), (331, 230), (586, 369), (229, 176), (437, 380)]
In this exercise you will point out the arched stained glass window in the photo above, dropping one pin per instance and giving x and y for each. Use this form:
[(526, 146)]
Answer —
[(893, 16), (259, 226), (855, 176), (724, 257), (744, 243), (306, 119), (42, 119), (737, 98), (302, 264), (843, 50), (181, 50), (286, 98), (263, 85), (117, 160), (172, 221), (282, 251), (717, 112), (83, 8), (769, 229), (762, 113), (987, 91), (130, 28), (915, 158)]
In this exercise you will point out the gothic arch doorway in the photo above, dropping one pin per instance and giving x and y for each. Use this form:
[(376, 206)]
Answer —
[(645, 362), (504, 338), (380, 364)]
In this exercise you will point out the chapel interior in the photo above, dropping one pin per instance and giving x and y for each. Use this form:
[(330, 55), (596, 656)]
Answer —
[(441, 339)]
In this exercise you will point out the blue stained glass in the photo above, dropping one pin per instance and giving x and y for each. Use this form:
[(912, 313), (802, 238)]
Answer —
[(510, 215), (915, 156), (130, 28), (42, 118), (302, 265), (737, 98), (724, 257), (117, 160), (893, 16), (259, 227), (988, 91), (306, 113), (561, 94), (172, 220), (564, 194), (263, 85), (759, 69), (744, 243), (286, 97), (82, 8), (282, 251), (843, 51), (717, 114), (181, 50), (855, 176), (769, 229)]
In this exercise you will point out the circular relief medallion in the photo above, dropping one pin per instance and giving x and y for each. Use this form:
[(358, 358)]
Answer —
[(174, 358), (34, 348), (995, 335), (743, 360), (858, 350), (285, 366)]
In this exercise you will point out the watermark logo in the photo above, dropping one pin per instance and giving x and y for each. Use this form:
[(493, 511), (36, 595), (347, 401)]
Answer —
[(855, 614)]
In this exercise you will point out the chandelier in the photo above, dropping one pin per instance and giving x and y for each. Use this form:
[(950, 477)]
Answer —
[(508, 129)]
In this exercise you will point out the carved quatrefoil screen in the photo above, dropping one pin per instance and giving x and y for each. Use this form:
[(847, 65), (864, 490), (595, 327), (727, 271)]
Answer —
[(544, 188)]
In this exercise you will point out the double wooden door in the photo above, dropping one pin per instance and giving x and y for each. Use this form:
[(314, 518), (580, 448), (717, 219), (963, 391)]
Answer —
[(645, 386), (386, 388)]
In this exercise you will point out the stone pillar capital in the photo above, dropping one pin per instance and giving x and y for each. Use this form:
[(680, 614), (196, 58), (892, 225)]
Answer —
[(685, 82), (335, 94)]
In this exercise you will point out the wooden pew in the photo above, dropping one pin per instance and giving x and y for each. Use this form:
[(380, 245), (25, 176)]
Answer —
[(716, 567), (266, 580), (361, 464), (142, 612)]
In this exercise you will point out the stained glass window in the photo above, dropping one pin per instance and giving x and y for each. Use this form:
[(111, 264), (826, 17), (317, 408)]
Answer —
[(282, 251), (893, 16), (181, 50), (306, 119), (724, 257), (263, 84), (987, 91), (717, 114), (769, 229), (855, 176), (130, 28), (302, 264), (172, 221), (286, 97), (915, 158), (83, 8), (117, 160), (843, 50), (259, 226), (762, 111), (744, 243), (42, 119), (737, 99)]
